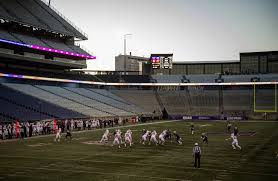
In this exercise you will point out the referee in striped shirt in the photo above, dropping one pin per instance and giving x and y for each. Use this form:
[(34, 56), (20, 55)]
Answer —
[(197, 155)]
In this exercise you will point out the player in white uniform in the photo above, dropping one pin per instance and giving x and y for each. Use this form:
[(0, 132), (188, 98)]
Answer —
[(105, 137), (162, 137), (145, 136), (117, 139), (235, 141), (128, 138), (153, 138), (58, 135), (120, 138)]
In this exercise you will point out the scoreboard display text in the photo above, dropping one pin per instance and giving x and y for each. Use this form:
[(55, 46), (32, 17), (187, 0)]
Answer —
[(162, 61)]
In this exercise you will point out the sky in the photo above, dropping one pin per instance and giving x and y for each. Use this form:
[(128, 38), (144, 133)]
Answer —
[(193, 30)]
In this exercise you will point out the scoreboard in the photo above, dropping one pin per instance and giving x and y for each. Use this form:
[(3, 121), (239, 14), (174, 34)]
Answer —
[(161, 61)]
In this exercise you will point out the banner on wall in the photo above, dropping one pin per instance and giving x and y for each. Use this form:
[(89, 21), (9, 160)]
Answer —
[(213, 118)]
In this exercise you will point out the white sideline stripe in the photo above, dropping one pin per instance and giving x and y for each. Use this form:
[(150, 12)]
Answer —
[(94, 172), (92, 130), (142, 164)]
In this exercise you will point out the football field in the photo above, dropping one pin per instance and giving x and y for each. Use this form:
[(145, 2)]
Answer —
[(84, 159)]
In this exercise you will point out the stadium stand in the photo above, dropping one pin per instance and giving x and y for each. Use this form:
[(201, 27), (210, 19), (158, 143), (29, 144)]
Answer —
[(191, 101), (167, 78), (45, 109), (16, 9), (136, 78), (267, 77), (203, 101), (77, 48), (65, 102), (56, 44), (61, 75), (109, 78), (28, 39), (120, 107), (108, 94), (7, 36), (6, 118), (237, 100), (265, 99), (144, 99), (4, 13), (33, 40), (238, 78), (201, 78), (37, 13), (176, 102), (19, 112), (57, 99), (86, 97), (84, 103), (125, 78)]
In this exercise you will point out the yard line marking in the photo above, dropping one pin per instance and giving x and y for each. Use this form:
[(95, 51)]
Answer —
[(142, 164), (205, 125), (40, 144), (95, 172)]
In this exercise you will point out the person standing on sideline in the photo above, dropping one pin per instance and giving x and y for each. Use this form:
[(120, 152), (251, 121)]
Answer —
[(197, 155)]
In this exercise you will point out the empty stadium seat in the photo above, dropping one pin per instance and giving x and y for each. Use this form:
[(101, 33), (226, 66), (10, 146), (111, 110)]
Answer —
[(15, 93), (208, 78), (167, 78)]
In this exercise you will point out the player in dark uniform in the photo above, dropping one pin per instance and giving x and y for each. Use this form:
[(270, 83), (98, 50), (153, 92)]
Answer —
[(149, 136), (68, 134), (178, 138), (168, 135), (115, 132), (229, 126), (204, 138), (235, 131), (192, 129)]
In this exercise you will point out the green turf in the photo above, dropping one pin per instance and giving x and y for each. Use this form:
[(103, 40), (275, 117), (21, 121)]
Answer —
[(75, 160)]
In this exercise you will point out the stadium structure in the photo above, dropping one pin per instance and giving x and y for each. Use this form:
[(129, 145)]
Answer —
[(43, 88), (38, 50)]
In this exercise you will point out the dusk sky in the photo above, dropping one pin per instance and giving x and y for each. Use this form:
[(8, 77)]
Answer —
[(194, 30)]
